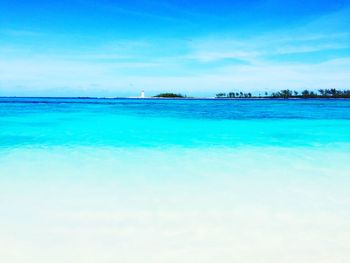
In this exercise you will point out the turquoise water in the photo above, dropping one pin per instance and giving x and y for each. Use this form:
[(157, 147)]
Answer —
[(125, 180), (173, 123)]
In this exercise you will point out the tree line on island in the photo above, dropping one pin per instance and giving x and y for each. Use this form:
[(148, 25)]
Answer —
[(289, 94), (170, 95), (282, 94)]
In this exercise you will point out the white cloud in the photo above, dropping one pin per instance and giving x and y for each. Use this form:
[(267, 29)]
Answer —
[(94, 79)]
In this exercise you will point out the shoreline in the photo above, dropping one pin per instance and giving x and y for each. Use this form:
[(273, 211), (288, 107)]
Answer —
[(158, 98)]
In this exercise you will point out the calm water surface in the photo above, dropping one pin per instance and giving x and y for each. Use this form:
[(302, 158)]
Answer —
[(171, 123), (130, 180)]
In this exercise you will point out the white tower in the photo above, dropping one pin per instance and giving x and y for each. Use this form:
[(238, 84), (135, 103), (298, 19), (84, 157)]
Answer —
[(142, 94)]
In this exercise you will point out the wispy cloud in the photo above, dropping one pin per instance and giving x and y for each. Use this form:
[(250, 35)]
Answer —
[(253, 49), (119, 78), (329, 32), (20, 32), (204, 64)]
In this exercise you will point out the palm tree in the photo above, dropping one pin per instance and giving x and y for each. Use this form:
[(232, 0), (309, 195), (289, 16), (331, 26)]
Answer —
[(231, 95), (286, 93), (334, 92), (328, 92), (305, 93), (221, 95), (322, 92)]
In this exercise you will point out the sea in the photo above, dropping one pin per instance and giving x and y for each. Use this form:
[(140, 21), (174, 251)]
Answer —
[(174, 180)]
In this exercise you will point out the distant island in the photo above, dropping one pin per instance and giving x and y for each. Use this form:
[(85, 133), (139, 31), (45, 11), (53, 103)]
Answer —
[(289, 94), (282, 94), (169, 95)]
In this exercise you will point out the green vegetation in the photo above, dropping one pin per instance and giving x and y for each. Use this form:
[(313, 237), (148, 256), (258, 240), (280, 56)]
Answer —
[(169, 95), (234, 95), (289, 94)]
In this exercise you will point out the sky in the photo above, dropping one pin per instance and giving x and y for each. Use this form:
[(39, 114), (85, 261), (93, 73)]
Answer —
[(199, 47)]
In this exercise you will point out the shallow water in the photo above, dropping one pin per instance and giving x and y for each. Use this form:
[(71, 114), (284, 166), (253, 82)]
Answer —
[(102, 180)]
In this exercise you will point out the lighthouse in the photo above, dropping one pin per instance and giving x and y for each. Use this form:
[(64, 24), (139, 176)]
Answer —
[(142, 94)]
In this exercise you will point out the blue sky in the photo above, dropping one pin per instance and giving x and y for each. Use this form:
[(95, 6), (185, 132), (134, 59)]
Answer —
[(117, 48)]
